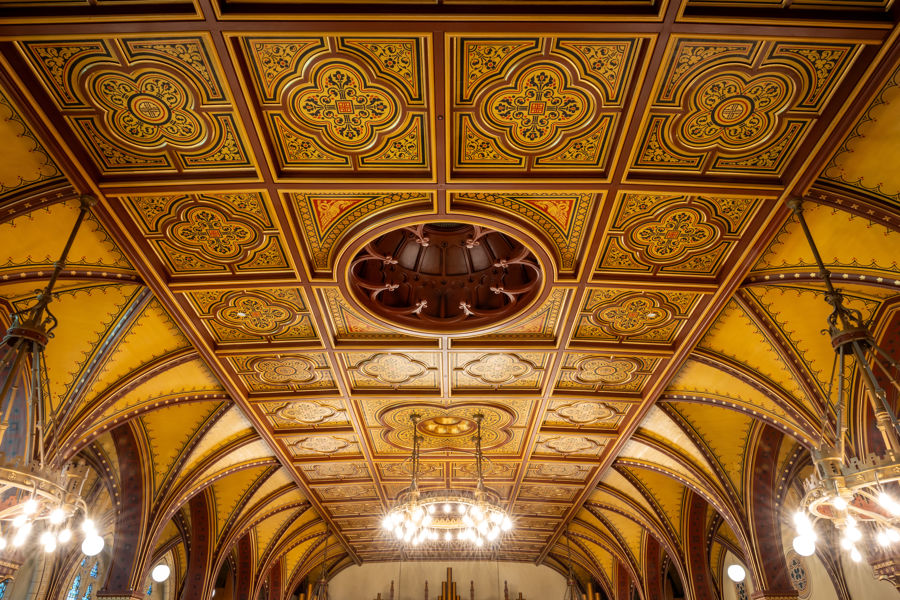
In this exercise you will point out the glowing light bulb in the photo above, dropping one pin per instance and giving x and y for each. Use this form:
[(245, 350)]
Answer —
[(882, 539), (448, 537), (839, 503), (461, 508), (64, 536), (50, 546), (736, 573), (893, 535), (30, 507), (88, 527), (492, 534), (2, 543), (46, 538), (388, 523), (92, 545), (506, 525), (57, 516), (889, 504), (399, 533), (160, 572), (431, 509), (19, 521), (854, 534), (855, 556), (447, 508), (479, 542), (427, 520), (804, 546)]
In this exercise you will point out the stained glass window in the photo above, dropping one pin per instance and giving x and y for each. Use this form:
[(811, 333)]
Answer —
[(73, 591), (87, 594), (95, 570), (3, 588), (150, 590)]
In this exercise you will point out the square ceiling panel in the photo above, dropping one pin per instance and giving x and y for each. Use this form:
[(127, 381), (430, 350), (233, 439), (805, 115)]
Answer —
[(342, 104), (144, 105), (543, 106)]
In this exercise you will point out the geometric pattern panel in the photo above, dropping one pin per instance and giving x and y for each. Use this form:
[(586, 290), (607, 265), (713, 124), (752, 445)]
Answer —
[(737, 106), (480, 371), (319, 413), (392, 370), (343, 104), (571, 412), (633, 315), (598, 373), (284, 373), (143, 104), (347, 325), (677, 234), (542, 105), (541, 326), (256, 315), (325, 217), (565, 219), (211, 233)]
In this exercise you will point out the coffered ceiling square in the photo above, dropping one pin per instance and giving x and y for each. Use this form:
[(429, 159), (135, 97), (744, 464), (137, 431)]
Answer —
[(254, 315), (586, 413), (353, 509), (387, 370), (553, 471), (623, 315), (493, 471), (285, 373), (317, 445), (144, 104), (335, 471), (321, 413), (497, 370), (402, 470), (674, 234), (541, 326), (737, 107), (549, 492), (539, 105), (593, 372), (222, 234), (343, 104), (570, 445), (354, 491)]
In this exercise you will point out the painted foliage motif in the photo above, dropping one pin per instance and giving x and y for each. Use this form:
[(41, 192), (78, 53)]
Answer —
[(591, 372), (674, 233), (307, 372), (339, 103), (143, 104), (538, 104), (219, 233), (738, 106), (615, 314)]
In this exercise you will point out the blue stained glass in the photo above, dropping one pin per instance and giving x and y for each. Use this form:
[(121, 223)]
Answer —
[(87, 594), (95, 570), (83, 561), (149, 590), (3, 588), (73, 591)]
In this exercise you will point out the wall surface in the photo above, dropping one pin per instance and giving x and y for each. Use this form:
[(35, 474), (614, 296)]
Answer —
[(365, 582)]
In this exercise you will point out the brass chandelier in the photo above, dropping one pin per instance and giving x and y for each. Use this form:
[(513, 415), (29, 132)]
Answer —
[(40, 499), (446, 515), (857, 494)]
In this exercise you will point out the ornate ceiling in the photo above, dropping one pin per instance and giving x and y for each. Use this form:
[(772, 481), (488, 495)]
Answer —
[(245, 153)]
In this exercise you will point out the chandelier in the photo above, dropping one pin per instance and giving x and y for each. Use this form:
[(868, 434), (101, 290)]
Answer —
[(857, 494), (38, 499), (447, 515)]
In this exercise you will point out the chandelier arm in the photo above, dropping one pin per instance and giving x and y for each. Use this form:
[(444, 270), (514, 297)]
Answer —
[(884, 367), (8, 383), (877, 396), (37, 401)]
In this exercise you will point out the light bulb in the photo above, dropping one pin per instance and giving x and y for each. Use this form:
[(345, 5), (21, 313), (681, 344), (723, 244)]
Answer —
[(447, 508), (92, 545), (57, 516), (2, 543), (64, 536), (800, 519), (854, 534), (468, 520), (846, 544), (160, 572), (46, 538), (388, 523), (50, 546), (889, 504), (461, 508), (483, 527), (431, 509), (851, 521), (855, 556), (496, 517), (506, 525), (839, 503), (893, 535), (19, 521), (804, 546), (427, 520), (492, 534), (882, 539), (479, 542), (736, 573), (30, 507), (88, 527), (448, 537), (399, 533), (20, 538)]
